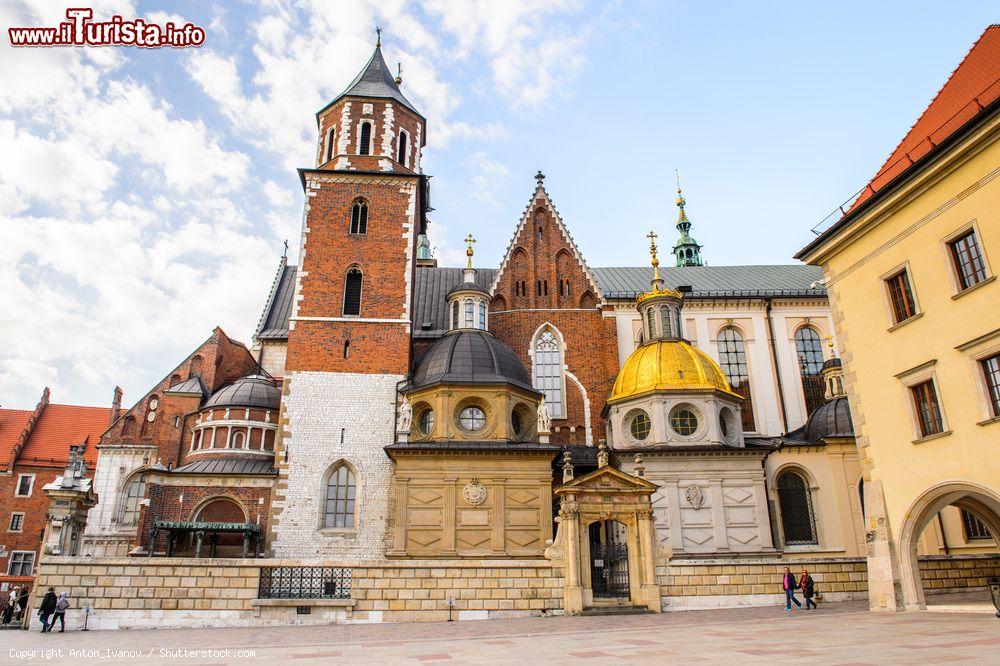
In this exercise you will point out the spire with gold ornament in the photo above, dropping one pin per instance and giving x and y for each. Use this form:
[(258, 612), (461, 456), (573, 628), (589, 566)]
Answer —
[(687, 252)]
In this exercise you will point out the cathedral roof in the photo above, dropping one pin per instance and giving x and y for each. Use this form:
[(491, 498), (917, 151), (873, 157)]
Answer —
[(374, 80), (228, 466), (250, 391), (831, 419), (469, 356), (431, 287), (667, 365)]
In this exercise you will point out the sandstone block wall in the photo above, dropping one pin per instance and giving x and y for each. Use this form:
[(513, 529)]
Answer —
[(947, 573)]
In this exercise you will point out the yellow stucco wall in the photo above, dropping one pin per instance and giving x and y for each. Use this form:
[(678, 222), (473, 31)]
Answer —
[(911, 228)]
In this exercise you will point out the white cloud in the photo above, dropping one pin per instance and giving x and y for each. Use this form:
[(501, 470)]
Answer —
[(278, 195), (486, 175)]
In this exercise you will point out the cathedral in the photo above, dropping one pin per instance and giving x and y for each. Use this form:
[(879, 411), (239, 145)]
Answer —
[(615, 424)]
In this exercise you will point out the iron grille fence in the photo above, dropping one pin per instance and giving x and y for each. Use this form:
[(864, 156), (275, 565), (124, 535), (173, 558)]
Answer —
[(305, 583)]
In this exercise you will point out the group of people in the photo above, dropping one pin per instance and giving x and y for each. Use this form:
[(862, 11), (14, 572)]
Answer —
[(12, 605), (806, 583), (54, 608)]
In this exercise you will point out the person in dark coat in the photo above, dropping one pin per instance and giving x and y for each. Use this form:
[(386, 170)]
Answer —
[(22, 603), (808, 588), (789, 585), (47, 608), (8, 611)]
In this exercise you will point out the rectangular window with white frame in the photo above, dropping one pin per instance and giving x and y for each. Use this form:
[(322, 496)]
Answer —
[(968, 265), (16, 522), (25, 485), (21, 563), (983, 354), (990, 367)]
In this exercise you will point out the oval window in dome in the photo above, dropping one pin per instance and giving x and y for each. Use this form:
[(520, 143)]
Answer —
[(639, 426), (683, 421), (472, 418), (425, 423)]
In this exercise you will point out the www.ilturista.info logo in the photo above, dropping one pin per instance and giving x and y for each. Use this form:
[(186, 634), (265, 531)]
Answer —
[(80, 30)]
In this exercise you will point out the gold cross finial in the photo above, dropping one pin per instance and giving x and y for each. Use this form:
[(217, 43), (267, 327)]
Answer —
[(378, 38), (469, 240), (652, 253)]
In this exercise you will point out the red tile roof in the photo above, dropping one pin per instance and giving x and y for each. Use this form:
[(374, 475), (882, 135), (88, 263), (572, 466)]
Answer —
[(12, 422), (974, 85), (58, 427)]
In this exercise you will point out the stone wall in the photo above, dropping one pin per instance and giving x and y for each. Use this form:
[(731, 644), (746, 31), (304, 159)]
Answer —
[(757, 582), (186, 592), (328, 417)]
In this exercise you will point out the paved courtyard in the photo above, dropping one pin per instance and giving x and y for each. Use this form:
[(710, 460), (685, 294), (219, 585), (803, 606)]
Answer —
[(836, 634)]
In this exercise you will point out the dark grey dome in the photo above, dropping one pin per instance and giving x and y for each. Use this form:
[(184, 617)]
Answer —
[(831, 363), (250, 391), (831, 419), (469, 357), (467, 286)]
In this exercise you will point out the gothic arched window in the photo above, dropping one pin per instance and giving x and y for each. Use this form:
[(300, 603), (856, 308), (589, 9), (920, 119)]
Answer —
[(797, 520), (359, 217), (330, 144), (133, 493), (339, 507), (402, 151), (549, 372), (733, 361), (810, 355), (365, 138), (352, 292)]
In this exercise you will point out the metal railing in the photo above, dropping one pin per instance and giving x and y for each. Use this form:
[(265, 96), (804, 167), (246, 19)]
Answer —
[(890, 170), (305, 583)]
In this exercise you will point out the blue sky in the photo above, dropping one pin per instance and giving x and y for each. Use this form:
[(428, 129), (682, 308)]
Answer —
[(145, 194)]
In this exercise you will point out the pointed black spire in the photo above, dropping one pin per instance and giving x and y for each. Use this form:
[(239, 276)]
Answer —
[(375, 80)]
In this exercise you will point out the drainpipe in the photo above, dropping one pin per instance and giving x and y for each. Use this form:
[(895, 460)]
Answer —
[(774, 360)]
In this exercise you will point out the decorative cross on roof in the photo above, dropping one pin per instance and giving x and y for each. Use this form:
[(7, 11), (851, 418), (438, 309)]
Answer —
[(469, 240), (378, 39), (539, 177)]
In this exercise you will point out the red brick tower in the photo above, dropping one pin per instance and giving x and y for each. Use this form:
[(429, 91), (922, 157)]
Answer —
[(349, 333)]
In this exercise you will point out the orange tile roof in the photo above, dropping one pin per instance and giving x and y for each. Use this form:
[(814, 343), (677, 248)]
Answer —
[(12, 422), (59, 427), (974, 85)]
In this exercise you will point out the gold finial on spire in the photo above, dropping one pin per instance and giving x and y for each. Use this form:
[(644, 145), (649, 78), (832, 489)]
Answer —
[(652, 253), (399, 74), (378, 38), (469, 240)]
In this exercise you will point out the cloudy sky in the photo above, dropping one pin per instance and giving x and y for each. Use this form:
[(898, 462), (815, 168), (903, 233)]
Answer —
[(145, 194)]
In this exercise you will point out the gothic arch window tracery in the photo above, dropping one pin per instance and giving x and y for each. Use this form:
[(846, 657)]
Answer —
[(352, 292), (547, 360), (340, 497), (359, 217), (133, 492), (809, 350), (733, 361)]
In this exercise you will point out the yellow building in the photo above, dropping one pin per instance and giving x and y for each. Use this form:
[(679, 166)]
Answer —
[(917, 310)]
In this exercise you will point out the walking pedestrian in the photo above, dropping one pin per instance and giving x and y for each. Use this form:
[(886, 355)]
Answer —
[(22, 603), (808, 588), (789, 585), (8, 612), (61, 607), (47, 608)]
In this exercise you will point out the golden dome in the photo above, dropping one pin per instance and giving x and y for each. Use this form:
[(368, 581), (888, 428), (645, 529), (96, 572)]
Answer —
[(668, 365)]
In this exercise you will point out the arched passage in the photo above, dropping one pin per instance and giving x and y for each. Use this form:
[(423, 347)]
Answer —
[(978, 500)]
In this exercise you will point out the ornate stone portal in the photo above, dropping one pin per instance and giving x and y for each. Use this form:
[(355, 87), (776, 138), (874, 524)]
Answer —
[(615, 507)]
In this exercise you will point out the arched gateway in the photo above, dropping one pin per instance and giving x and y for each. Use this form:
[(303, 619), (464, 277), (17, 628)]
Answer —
[(606, 541)]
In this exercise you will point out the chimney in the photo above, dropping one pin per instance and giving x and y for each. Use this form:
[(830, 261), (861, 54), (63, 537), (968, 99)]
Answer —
[(116, 405)]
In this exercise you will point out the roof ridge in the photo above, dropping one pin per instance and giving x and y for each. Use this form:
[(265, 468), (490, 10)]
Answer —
[(886, 164)]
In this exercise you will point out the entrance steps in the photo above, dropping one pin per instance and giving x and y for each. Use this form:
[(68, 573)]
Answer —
[(615, 609)]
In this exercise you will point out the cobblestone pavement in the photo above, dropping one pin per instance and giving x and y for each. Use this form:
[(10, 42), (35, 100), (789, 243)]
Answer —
[(835, 634)]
